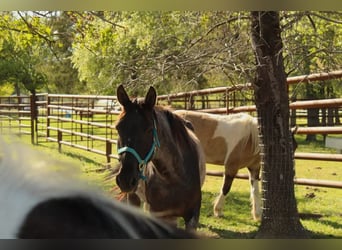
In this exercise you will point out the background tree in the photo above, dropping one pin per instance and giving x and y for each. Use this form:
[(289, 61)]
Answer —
[(22, 53), (39, 43), (62, 75), (171, 50), (312, 43), (280, 216), (91, 52)]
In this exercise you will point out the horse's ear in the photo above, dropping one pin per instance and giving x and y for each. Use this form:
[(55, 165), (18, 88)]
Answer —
[(122, 96), (151, 97)]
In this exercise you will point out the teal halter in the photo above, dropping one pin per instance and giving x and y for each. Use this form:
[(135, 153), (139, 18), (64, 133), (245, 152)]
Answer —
[(143, 162)]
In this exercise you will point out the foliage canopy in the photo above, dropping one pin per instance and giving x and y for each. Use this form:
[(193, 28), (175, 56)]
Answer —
[(92, 52)]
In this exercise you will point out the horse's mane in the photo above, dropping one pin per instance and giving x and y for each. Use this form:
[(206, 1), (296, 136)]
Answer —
[(178, 127), (186, 141)]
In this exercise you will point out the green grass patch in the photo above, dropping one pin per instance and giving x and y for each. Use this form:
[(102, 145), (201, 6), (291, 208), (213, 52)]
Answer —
[(317, 146)]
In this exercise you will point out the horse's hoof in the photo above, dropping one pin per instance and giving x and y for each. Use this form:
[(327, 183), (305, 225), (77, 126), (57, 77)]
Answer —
[(218, 214)]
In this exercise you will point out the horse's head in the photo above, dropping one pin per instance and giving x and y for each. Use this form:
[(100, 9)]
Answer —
[(137, 137)]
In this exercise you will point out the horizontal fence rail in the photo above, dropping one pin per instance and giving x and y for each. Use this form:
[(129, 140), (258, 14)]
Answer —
[(188, 99), (84, 122), (326, 103), (299, 181), (290, 80), (318, 156)]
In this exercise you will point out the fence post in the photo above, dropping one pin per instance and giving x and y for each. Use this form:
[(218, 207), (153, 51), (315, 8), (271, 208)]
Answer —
[(227, 101), (59, 139), (191, 102), (33, 112), (108, 150), (48, 112)]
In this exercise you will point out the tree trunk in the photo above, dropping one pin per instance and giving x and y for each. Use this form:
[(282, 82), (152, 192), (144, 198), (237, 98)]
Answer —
[(280, 217)]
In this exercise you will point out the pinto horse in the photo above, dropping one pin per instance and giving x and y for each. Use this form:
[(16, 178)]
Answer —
[(160, 159), (232, 141), (45, 198)]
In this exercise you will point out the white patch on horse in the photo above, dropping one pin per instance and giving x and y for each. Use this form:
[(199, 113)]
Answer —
[(239, 131), (28, 178)]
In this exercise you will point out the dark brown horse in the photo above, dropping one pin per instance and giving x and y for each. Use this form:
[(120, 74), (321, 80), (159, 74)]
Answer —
[(160, 159)]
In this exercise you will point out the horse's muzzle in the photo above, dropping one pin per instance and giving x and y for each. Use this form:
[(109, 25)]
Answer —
[(127, 184)]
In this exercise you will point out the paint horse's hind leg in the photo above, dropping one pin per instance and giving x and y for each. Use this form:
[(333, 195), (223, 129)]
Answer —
[(219, 202), (255, 194)]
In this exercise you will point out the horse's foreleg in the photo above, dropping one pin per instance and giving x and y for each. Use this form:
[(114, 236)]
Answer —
[(133, 199), (146, 207), (219, 202), (191, 219), (170, 220), (255, 194)]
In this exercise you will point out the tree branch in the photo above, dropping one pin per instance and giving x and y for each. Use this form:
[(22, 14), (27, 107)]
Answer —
[(106, 20), (326, 18), (215, 27), (34, 31)]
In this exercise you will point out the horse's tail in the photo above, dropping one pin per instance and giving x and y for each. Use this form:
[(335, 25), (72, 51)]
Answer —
[(254, 135)]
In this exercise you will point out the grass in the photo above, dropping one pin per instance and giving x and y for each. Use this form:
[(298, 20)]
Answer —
[(322, 206)]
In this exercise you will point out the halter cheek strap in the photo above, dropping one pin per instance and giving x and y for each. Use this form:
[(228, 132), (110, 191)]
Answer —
[(143, 162)]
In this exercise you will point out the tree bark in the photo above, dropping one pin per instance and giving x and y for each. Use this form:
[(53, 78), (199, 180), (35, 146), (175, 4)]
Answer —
[(280, 217)]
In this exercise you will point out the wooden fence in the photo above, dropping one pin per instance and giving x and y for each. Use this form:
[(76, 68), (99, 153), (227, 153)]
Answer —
[(87, 122), (224, 98), (83, 122)]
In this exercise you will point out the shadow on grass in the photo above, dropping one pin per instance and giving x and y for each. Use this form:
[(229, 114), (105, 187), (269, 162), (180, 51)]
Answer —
[(320, 216), (72, 155), (325, 222), (315, 235), (217, 233)]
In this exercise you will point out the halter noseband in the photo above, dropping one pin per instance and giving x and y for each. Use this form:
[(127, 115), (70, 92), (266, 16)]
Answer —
[(143, 162)]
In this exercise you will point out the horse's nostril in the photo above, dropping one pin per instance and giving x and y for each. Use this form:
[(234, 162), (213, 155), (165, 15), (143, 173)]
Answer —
[(126, 185)]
